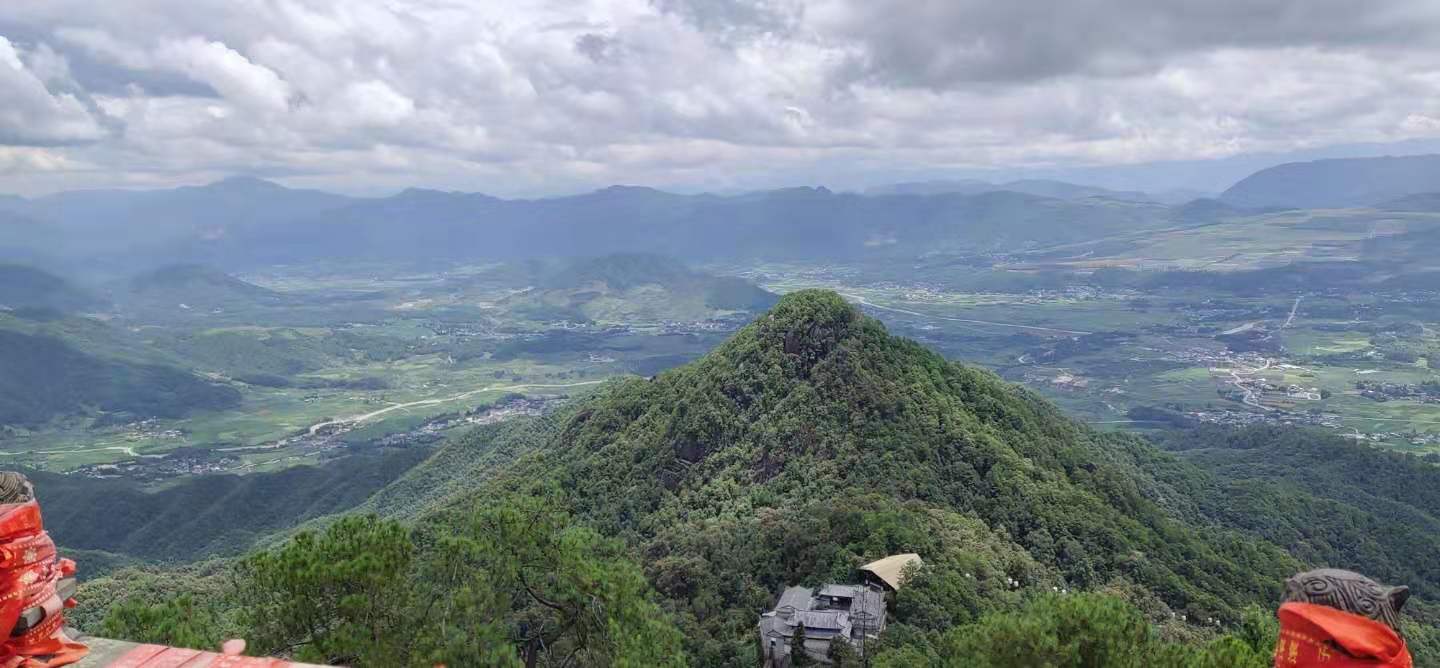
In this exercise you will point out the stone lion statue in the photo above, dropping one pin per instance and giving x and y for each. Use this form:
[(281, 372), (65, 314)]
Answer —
[(1349, 592)]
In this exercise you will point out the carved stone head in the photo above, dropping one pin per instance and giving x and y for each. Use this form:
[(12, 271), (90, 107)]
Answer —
[(1351, 592), (15, 488)]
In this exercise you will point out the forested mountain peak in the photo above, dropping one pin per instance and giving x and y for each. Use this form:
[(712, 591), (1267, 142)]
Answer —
[(622, 190), (644, 287), (23, 286), (239, 184), (815, 379), (1337, 183), (622, 271), (431, 194), (814, 441), (191, 276), (179, 289), (801, 331)]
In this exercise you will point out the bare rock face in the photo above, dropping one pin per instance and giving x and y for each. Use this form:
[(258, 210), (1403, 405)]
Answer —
[(1350, 592), (808, 326)]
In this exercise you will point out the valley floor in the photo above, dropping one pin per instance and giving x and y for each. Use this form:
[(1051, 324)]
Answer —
[(1133, 358), (418, 355)]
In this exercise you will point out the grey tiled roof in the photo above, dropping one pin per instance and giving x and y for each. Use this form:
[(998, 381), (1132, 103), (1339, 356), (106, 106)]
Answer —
[(796, 597), (871, 603), (863, 616), (771, 625), (842, 591), (833, 620)]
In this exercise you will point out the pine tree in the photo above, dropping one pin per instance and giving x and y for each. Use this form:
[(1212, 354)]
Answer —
[(798, 656)]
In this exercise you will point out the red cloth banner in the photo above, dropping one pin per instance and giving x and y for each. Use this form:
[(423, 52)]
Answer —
[(29, 569), (1314, 636)]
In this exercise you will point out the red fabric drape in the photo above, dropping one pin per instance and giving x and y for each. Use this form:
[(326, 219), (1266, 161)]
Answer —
[(1320, 636), (29, 570)]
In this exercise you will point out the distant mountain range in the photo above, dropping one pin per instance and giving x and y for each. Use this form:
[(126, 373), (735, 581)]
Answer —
[(1335, 184), (237, 201), (119, 228), (1204, 177), (637, 287), (1036, 187), (245, 222)]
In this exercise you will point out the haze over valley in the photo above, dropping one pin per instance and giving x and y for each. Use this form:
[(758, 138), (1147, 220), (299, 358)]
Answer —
[(673, 333), (278, 331)]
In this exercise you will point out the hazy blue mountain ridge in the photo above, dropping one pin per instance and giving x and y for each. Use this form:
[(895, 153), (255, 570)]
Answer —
[(1338, 183)]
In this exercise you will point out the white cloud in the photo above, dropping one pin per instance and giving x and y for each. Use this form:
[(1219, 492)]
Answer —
[(550, 95), (24, 160), (373, 103), (34, 114), (228, 71)]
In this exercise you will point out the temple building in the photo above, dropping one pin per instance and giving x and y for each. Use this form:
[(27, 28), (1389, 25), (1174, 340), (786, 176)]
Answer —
[(831, 613)]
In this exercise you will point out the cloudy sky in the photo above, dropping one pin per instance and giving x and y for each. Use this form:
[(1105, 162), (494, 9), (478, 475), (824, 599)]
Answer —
[(521, 97)]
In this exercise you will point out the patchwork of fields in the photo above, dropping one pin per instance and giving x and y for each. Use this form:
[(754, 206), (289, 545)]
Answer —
[(1322, 318), (1197, 355)]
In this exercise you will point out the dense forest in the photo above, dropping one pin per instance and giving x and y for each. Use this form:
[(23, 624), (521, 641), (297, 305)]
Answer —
[(631, 287), (211, 515), (45, 378), (744, 454), (24, 287), (673, 508), (1324, 498)]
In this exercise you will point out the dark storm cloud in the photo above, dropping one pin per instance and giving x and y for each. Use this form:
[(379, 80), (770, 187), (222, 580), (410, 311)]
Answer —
[(737, 18), (942, 43), (98, 75), (598, 48), (43, 104)]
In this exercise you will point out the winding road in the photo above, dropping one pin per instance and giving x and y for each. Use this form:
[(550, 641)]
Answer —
[(128, 450), (1249, 395), (1293, 308), (427, 402), (315, 428), (862, 301)]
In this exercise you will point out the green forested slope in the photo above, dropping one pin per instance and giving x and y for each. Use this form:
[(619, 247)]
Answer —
[(43, 377), (621, 271), (1326, 499), (199, 284), (455, 470), (184, 292), (811, 442), (631, 287), (208, 515), (27, 287)]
